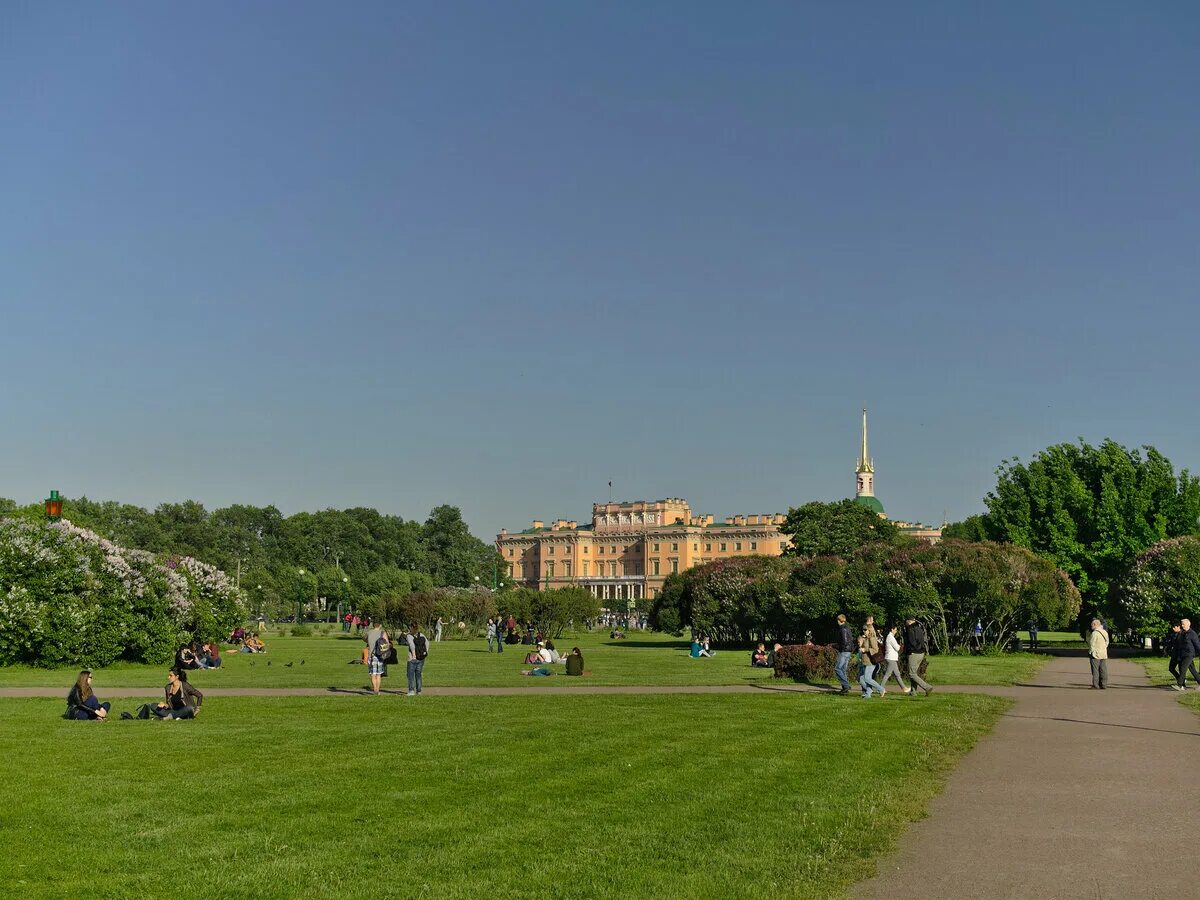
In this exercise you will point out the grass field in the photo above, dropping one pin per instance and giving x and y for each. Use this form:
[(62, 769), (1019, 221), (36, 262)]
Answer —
[(652, 796), (644, 659)]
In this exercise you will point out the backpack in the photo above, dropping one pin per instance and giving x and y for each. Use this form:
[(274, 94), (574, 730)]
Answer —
[(421, 646), (383, 648)]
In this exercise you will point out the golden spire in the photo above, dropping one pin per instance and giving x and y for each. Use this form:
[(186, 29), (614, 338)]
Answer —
[(865, 464)]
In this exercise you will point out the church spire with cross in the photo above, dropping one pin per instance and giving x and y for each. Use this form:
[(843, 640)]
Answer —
[(865, 489)]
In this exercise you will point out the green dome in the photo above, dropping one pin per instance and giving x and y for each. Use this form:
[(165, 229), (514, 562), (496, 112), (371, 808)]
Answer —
[(871, 503)]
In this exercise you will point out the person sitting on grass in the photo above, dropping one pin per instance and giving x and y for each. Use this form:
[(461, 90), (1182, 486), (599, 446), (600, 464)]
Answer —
[(771, 657), (616, 635), (237, 636), (180, 699), (574, 661), (82, 704), (534, 658), (212, 655), (700, 648), (253, 644), (185, 658), (758, 659)]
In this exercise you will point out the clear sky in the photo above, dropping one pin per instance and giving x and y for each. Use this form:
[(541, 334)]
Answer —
[(497, 254)]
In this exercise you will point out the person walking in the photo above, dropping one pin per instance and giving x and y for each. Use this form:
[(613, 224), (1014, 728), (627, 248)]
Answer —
[(418, 649), (1098, 655), (1171, 648), (891, 658), (866, 668), (845, 647), (377, 643), (437, 629), (491, 634), (1188, 643), (916, 645)]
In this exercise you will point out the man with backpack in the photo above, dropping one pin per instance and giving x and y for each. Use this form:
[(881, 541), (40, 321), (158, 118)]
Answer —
[(916, 645), (418, 649)]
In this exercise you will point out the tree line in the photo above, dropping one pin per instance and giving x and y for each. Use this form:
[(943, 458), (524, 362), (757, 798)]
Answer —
[(348, 556)]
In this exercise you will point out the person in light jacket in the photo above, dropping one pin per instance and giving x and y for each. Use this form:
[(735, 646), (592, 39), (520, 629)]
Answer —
[(891, 658), (1098, 655)]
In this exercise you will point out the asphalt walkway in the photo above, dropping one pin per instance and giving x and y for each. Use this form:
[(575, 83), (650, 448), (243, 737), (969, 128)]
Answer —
[(1076, 793)]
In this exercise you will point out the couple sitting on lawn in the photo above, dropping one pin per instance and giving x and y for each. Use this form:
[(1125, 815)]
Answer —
[(573, 662), (761, 658)]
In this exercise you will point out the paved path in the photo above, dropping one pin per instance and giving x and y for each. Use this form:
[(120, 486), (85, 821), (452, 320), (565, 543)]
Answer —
[(1075, 794), (118, 692)]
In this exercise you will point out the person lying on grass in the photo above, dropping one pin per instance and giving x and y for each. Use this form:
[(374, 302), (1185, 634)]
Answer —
[(82, 704), (539, 672), (180, 699)]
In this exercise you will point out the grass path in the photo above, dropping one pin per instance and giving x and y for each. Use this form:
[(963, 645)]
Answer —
[(645, 659)]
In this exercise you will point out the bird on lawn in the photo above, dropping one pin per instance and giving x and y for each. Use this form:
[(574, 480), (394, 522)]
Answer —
[(268, 662), (287, 665), (301, 662)]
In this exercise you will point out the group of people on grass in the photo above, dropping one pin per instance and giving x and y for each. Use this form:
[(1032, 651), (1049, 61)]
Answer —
[(180, 700), (380, 652), (546, 655), (912, 640)]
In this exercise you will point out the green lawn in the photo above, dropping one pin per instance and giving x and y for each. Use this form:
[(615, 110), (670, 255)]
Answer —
[(775, 795), (644, 659)]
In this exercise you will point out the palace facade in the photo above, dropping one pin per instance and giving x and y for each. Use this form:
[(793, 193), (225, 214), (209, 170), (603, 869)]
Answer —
[(628, 549)]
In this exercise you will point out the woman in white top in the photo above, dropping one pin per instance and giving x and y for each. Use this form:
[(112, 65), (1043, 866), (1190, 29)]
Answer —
[(891, 656)]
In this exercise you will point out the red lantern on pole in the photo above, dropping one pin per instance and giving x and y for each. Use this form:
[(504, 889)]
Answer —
[(54, 507)]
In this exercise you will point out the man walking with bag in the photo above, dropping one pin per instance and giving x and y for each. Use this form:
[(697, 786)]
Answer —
[(916, 645)]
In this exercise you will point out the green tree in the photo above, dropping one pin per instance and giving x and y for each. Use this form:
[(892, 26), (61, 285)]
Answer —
[(972, 528), (1092, 510), (835, 529)]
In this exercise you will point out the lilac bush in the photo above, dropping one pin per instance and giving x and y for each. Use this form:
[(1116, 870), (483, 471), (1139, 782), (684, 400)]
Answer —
[(69, 596)]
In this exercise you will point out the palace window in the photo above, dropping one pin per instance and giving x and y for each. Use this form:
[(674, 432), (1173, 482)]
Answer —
[(656, 548), (550, 568), (738, 546), (754, 545), (612, 569), (551, 550), (782, 545), (655, 564), (708, 548), (674, 565), (585, 549), (567, 567), (510, 551), (675, 548), (722, 548), (695, 548)]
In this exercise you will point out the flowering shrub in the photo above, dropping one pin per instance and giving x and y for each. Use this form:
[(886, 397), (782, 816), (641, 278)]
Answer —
[(1161, 587), (68, 595)]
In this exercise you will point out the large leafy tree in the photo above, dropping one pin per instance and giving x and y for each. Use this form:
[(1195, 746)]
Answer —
[(835, 529), (1092, 510)]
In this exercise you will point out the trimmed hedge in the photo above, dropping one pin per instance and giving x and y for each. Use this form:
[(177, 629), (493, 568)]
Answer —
[(816, 662)]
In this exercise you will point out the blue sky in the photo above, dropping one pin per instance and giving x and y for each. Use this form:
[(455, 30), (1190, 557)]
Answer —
[(496, 255)]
